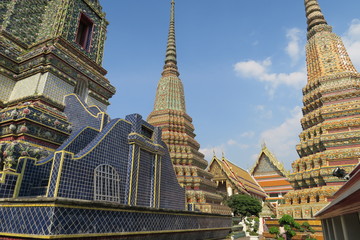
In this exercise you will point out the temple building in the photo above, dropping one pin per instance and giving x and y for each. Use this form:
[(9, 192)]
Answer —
[(231, 179), (271, 176), (330, 137), (169, 113), (67, 170)]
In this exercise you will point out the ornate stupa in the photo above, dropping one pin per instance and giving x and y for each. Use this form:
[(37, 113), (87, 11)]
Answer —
[(331, 125), (178, 133)]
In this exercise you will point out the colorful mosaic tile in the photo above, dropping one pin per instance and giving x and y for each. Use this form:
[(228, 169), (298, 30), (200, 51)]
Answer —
[(330, 136), (66, 169), (169, 113), (54, 219)]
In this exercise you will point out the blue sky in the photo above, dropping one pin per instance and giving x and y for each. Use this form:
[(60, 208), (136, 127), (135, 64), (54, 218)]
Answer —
[(242, 64)]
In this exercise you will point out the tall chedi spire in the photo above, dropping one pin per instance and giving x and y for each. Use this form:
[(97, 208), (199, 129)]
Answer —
[(170, 67), (314, 15), (326, 54), (331, 123), (170, 92), (178, 133)]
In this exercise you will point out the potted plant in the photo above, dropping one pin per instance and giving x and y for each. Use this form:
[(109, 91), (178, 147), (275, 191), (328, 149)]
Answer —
[(289, 226)]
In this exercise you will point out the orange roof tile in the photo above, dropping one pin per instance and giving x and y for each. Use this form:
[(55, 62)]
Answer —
[(274, 183), (242, 177)]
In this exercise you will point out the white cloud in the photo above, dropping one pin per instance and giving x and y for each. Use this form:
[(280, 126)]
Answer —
[(282, 139), (231, 142), (260, 72), (222, 149), (352, 42), (294, 48), (260, 107), (263, 113), (252, 69), (210, 151), (249, 134)]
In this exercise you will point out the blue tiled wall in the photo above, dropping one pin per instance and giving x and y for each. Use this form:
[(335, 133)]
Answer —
[(169, 186), (78, 141), (8, 187), (109, 147), (145, 191), (80, 115), (35, 181), (58, 220), (131, 147)]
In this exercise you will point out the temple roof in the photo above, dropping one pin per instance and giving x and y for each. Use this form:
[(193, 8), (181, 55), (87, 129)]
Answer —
[(239, 177), (268, 159)]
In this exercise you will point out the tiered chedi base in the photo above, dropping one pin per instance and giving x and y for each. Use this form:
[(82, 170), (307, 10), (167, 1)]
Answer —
[(30, 129), (333, 142), (189, 163)]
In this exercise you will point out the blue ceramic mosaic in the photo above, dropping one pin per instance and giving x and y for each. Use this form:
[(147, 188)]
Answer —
[(117, 160), (98, 182), (35, 182), (7, 189), (61, 220), (80, 115)]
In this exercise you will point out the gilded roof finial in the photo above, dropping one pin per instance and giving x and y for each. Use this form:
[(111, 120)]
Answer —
[(313, 14), (170, 67)]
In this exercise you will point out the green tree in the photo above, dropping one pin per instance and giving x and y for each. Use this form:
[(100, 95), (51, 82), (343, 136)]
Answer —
[(244, 205)]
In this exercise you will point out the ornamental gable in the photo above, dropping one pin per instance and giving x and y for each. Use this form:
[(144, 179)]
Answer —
[(266, 167)]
